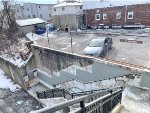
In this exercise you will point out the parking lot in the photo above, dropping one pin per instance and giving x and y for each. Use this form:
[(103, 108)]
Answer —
[(128, 51)]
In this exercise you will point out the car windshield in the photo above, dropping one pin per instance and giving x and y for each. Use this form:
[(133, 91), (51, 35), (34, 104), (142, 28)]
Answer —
[(96, 43)]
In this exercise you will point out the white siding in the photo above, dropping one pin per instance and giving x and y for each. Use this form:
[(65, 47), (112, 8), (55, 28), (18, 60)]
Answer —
[(45, 10), (32, 10), (67, 10)]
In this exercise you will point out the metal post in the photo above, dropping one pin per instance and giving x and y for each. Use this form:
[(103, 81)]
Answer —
[(82, 105), (71, 43), (64, 93)]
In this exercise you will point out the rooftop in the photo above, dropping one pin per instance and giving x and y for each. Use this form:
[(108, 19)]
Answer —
[(29, 22), (92, 4), (68, 3)]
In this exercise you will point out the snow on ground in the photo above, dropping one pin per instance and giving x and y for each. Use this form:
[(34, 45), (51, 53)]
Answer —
[(14, 56), (49, 102), (16, 61), (52, 101), (136, 100), (33, 36), (6, 83), (77, 86)]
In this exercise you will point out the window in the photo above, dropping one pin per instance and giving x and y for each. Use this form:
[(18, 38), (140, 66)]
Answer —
[(63, 8), (40, 15), (118, 15), (80, 7), (19, 17), (104, 16), (39, 7), (54, 9), (49, 15), (27, 9), (130, 15), (34, 16), (29, 16), (17, 10), (97, 16)]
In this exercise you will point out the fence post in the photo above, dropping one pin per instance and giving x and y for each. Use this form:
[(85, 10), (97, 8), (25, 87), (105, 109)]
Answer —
[(44, 94), (72, 96), (53, 93), (64, 93), (82, 105)]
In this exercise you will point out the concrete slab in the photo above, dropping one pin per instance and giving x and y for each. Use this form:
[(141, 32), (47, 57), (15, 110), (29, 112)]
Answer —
[(17, 102)]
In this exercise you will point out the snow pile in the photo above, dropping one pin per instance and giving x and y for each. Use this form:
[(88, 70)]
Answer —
[(7, 83), (52, 101), (136, 100), (77, 86), (15, 60), (13, 53), (33, 36)]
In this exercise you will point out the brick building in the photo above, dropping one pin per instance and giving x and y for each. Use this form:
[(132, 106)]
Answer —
[(120, 15)]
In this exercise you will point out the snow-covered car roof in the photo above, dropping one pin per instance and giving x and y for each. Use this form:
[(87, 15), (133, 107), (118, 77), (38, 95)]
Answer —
[(29, 22)]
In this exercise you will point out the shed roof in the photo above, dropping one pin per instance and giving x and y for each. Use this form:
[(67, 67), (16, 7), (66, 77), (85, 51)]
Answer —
[(29, 22)]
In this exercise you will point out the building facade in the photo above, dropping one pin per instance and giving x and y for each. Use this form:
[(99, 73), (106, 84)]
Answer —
[(32, 10), (68, 13), (120, 15)]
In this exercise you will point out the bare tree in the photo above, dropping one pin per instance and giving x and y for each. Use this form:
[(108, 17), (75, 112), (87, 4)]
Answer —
[(9, 31)]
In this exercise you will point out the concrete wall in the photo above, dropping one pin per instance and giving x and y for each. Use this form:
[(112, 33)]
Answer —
[(73, 21), (13, 71), (49, 60), (20, 75), (145, 80)]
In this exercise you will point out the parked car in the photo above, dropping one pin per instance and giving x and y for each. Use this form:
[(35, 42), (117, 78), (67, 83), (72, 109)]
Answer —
[(99, 47), (136, 26), (106, 27), (115, 26), (100, 26)]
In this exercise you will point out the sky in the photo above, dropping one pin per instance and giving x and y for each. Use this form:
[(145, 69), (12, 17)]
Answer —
[(39, 1), (55, 1)]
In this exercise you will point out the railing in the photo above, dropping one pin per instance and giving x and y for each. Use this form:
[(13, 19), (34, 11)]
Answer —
[(53, 93), (103, 104)]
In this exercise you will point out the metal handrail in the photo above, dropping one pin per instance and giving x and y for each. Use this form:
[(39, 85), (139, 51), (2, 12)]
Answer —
[(73, 101)]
